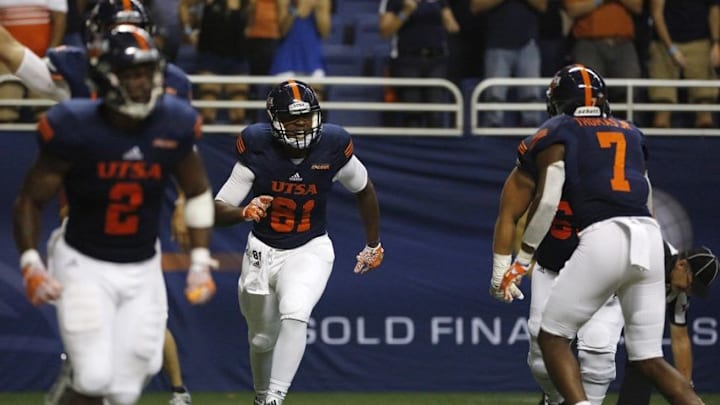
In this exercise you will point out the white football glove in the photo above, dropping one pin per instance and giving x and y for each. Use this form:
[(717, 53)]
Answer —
[(200, 285), (257, 208), (369, 258), (40, 286), (501, 263)]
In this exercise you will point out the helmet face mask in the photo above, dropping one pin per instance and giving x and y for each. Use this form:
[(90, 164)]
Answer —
[(128, 72), (577, 90), (295, 115)]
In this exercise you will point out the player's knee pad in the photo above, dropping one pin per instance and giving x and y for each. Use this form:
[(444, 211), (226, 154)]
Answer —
[(123, 398), (80, 308), (261, 342), (92, 379), (598, 337), (596, 367)]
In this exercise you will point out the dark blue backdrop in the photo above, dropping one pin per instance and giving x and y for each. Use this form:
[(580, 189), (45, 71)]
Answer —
[(424, 321)]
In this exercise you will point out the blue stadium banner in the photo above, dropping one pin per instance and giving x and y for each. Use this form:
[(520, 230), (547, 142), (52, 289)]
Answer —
[(424, 320)]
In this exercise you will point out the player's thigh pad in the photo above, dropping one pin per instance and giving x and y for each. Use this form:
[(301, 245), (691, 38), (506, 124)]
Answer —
[(589, 278), (302, 278), (541, 283), (601, 333)]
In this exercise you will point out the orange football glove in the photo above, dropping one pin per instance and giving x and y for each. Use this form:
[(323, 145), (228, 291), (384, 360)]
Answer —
[(40, 286), (369, 259), (257, 208), (200, 285), (511, 279)]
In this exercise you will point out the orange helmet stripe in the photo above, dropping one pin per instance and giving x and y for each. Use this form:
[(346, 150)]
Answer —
[(588, 87), (127, 5), (295, 89), (140, 39)]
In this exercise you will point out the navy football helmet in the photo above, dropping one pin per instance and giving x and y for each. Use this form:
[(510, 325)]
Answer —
[(109, 13), (123, 48), (289, 101), (577, 86)]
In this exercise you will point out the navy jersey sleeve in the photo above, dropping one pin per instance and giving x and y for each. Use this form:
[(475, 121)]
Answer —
[(69, 63), (56, 134), (342, 142), (177, 82)]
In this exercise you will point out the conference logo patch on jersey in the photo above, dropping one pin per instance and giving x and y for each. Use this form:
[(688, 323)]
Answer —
[(133, 153), (320, 166), (296, 178), (165, 143)]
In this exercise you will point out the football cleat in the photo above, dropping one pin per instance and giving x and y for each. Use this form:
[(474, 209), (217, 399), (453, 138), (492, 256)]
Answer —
[(181, 398), (62, 385)]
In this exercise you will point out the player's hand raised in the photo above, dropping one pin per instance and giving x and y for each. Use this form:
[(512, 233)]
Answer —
[(200, 285), (40, 286), (369, 259), (257, 208)]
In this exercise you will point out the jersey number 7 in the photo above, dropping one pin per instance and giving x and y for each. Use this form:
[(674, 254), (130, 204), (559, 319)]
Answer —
[(618, 182)]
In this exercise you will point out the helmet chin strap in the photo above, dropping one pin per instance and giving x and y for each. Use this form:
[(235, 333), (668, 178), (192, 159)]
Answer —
[(140, 110)]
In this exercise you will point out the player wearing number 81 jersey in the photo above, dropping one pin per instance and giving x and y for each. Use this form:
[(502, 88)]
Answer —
[(599, 162), (288, 166)]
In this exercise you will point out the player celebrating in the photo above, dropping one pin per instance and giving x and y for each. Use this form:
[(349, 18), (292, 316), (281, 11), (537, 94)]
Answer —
[(113, 157), (600, 161), (289, 166)]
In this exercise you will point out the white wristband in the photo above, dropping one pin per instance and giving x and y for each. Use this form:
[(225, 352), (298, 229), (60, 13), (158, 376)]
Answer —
[(29, 256), (200, 255)]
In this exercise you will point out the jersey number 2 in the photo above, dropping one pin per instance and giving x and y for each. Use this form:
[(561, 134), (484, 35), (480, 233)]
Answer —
[(618, 182), (121, 216), (283, 219)]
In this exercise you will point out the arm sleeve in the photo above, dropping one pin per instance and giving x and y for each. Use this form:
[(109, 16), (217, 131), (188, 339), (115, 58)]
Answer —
[(552, 191), (237, 186), (353, 175)]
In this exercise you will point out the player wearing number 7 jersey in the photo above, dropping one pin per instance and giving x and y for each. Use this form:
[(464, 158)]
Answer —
[(599, 163), (114, 157), (289, 166)]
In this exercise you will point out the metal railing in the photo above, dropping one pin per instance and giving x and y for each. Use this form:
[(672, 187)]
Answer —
[(629, 106), (453, 108)]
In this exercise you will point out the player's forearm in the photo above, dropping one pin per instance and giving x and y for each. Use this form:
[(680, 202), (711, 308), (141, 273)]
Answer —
[(59, 24), (226, 214), (26, 223), (199, 237), (682, 350), (370, 213)]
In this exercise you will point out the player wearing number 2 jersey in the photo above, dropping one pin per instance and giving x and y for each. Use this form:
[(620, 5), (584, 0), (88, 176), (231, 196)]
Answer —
[(288, 167), (114, 157), (598, 162)]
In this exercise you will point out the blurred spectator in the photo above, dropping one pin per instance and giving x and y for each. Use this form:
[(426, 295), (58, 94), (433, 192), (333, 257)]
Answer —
[(220, 42), (466, 49), (37, 24), (261, 38), (686, 34), (168, 32), (74, 22), (553, 40), (303, 26), (512, 52), (419, 31), (604, 34)]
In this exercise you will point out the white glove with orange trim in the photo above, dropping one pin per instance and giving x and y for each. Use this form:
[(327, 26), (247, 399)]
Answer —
[(498, 290), (200, 285), (257, 208), (40, 286), (369, 258)]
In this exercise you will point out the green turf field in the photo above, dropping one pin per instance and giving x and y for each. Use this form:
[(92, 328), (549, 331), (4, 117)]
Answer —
[(299, 398)]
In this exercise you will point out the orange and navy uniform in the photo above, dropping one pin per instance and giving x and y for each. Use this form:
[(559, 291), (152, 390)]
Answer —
[(117, 181), (299, 209), (605, 171), (562, 239), (29, 21)]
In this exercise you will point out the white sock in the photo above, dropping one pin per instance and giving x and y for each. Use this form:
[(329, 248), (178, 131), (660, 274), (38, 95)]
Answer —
[(34, 73), (261, 364), (289, 351), (583, 403)]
